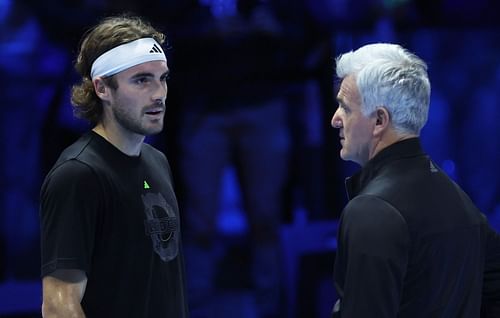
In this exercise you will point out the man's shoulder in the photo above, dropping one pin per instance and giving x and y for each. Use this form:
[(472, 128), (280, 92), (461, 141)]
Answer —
[(77, 160), (369, 203), (77, 150), (370, 221), (368, 211), (69, 174)]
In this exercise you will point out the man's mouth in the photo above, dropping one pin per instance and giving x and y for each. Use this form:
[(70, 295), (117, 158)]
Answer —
[(154, 111)]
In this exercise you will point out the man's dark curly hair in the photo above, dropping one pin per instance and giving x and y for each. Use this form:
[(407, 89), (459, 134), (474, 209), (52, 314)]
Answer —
[(109, 33)]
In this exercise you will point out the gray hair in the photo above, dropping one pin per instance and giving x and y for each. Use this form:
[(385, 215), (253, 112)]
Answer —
[(387, 75)]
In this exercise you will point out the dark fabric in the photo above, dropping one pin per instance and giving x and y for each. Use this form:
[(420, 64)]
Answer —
[(116, 218), (411, 243)]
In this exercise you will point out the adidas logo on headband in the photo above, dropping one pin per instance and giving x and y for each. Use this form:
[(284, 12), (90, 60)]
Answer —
[(125, 56), (155, 49)]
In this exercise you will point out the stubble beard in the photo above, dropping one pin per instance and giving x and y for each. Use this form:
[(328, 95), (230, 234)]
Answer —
[(134, 124)]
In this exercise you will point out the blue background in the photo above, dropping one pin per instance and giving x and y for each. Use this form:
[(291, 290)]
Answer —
[(459, 40)]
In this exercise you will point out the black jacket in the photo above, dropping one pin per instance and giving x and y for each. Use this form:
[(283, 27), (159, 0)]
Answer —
[(412, 244)]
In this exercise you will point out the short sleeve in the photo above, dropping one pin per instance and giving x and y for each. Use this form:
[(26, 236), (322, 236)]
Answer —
[(70, 199)]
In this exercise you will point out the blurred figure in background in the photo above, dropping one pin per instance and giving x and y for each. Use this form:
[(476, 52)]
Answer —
[(237, 117)]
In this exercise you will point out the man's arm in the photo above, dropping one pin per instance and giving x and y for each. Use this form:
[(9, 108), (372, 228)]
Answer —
[(375, 255), (490, 305), (62, 293)]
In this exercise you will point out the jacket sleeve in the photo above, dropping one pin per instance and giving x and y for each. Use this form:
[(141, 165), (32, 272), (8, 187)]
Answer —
[(490, 306), (373, 251)]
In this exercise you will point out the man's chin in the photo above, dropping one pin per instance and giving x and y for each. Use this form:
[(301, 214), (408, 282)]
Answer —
[(344, 155), (153, 130)]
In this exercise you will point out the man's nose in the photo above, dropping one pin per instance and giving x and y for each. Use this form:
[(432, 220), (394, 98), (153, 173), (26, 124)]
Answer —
[(336, 122), (160, 93)]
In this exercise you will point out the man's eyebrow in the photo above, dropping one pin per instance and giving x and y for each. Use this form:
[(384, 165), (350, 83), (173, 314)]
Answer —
[(143, 74), (149, 74), (165, 74), (340, 100)]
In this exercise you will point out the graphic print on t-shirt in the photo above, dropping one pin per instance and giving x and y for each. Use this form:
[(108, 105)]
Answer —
[(161, 225)]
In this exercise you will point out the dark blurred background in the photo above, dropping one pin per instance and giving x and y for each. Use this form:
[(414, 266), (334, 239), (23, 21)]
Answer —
[(270, 59)]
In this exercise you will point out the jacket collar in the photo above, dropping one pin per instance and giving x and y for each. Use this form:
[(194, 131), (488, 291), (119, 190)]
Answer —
[(405, 148)]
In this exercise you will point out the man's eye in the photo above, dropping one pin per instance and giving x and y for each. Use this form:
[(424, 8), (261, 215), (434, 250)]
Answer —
[(141, 80)]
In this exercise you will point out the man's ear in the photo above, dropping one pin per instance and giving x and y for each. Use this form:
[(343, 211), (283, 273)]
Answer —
[(101, 89), (382, 120)]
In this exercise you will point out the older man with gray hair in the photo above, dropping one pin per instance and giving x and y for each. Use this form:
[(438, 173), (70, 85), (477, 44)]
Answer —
[(411, 243)]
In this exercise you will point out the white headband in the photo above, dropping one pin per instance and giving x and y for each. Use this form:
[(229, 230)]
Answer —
[(125, 56)]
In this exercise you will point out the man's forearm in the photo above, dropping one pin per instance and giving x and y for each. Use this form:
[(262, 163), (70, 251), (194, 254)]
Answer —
[(60, 309), (62, 294)]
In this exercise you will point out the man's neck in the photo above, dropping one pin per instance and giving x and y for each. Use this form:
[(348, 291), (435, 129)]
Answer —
[(127, 142), (389, 138)]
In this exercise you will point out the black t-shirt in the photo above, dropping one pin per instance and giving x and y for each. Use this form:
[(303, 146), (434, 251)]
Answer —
[(116, 218)]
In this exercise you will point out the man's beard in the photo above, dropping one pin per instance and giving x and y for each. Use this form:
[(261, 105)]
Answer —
[(134, 124)]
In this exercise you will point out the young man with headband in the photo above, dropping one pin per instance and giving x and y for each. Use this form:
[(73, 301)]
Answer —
[(109, 218)]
